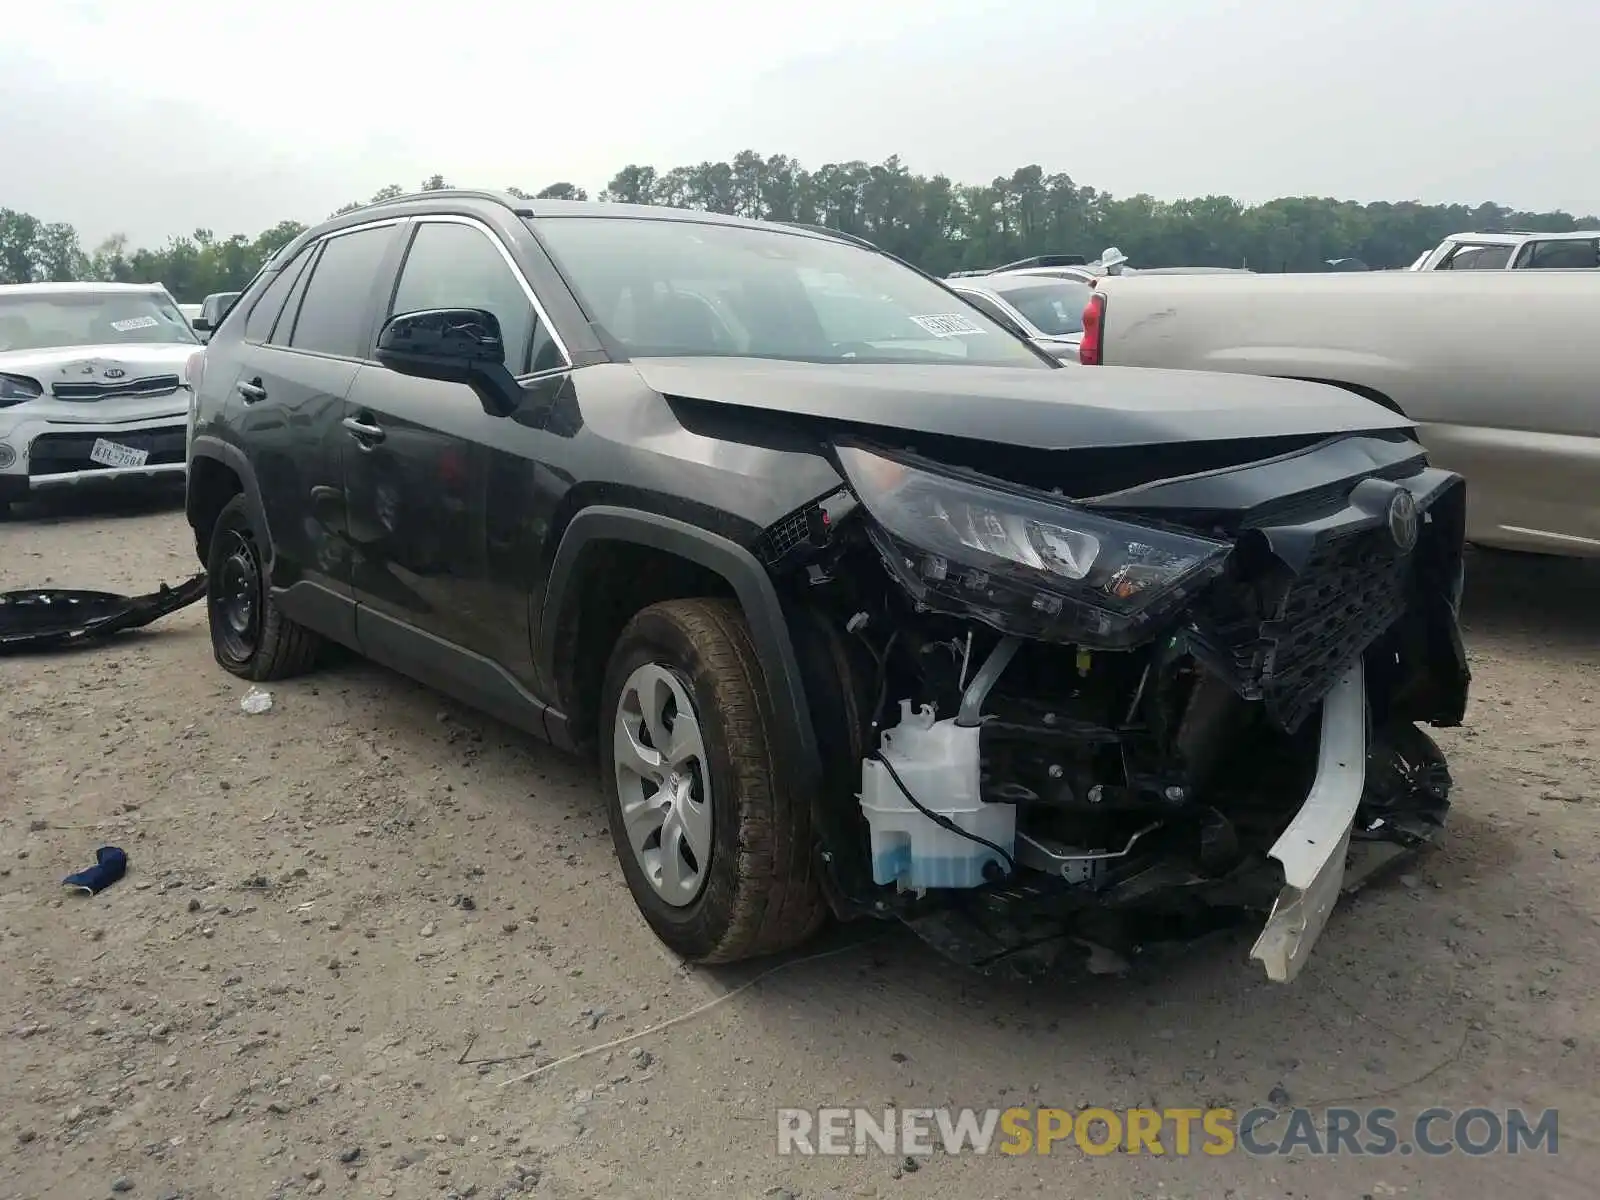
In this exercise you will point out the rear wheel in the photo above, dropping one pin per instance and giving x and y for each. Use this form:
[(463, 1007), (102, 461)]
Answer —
[(715, 847), (250, 636)]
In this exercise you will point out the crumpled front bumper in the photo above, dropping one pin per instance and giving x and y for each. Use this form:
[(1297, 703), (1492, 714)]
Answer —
[(46, 618), (1312, 849)]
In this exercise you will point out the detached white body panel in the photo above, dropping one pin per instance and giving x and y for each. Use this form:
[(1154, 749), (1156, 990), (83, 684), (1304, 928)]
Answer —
[(1313, 848)]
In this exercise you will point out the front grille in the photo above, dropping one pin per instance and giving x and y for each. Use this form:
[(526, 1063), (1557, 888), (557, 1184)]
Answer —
[(149, 386), (1286, 641), (1349, 594), (787, 535), (60, 453)]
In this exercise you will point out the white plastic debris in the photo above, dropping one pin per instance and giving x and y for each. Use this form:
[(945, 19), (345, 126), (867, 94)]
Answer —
[(256, 701)]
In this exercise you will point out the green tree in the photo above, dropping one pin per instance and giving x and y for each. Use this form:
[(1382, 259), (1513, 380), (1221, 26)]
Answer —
[(562, 191), (931, 220)]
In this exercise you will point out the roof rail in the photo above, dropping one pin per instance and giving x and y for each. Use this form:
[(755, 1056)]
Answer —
[(519, 207), (811, 227)]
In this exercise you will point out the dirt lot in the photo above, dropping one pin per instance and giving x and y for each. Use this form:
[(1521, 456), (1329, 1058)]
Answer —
[(339, 909)]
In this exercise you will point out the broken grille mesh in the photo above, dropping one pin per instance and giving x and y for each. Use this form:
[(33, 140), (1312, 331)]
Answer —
[(780, 538), (1351, 590), (1349, 594)]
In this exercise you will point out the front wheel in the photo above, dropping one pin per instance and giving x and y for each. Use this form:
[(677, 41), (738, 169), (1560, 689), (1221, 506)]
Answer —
[(715, 846), (250, 636)]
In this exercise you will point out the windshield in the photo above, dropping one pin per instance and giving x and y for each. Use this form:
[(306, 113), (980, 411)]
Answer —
[(48, 321), (675, 288), (1054, 307)]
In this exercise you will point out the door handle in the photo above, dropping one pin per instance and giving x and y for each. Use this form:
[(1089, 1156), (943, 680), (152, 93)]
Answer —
[(251, 391), (366, 435)]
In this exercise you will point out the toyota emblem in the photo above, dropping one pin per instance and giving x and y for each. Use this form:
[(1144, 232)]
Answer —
[(1403, 521)]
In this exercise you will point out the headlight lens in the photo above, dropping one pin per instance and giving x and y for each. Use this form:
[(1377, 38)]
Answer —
[(1022, 561), (14, 389)]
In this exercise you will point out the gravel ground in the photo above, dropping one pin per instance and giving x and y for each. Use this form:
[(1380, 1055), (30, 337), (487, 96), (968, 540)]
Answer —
[(353, 921)]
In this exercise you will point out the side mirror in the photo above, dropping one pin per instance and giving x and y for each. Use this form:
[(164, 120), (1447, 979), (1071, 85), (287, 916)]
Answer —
[(200, 325), (453, 345)]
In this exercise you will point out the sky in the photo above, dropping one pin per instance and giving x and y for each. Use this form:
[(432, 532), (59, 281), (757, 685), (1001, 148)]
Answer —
[(233, 115)]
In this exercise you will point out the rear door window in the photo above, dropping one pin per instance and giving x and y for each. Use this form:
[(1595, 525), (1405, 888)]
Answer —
[(335, 314)]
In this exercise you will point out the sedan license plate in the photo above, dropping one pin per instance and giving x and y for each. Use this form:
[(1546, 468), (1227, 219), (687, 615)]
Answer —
[(115, 454)]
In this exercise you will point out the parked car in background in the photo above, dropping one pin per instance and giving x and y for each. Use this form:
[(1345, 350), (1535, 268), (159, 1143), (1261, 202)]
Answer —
[(212, 309), (1112, 261), (861, 602), (1514, 251), (1046, 309), (1499, 374), (91, 385), (190, 312)]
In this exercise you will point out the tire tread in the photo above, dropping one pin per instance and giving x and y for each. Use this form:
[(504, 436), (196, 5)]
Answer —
[(778, 900), (285, 648)]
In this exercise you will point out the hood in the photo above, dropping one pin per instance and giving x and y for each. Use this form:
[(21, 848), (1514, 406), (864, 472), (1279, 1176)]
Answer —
[(102, 365), (1062, 409)]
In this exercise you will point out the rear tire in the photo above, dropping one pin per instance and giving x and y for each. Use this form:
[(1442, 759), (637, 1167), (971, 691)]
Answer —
[(250, 636), (715, 846)]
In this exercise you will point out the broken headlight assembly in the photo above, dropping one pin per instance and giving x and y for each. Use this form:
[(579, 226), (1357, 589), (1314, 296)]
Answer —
[(1023, 561)]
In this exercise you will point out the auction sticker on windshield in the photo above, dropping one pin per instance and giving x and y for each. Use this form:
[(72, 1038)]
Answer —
[(115, 454), (948, 325), (132, 323)]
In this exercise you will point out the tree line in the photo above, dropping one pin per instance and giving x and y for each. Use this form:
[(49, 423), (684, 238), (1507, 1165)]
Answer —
[(930, 220)]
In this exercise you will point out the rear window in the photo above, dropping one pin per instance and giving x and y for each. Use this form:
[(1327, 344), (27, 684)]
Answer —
[(49, 321)]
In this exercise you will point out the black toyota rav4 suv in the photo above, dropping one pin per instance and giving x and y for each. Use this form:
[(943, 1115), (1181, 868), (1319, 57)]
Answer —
[(864, 605)]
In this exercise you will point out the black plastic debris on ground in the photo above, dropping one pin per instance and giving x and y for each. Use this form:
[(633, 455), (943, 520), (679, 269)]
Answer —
[(48, 618)]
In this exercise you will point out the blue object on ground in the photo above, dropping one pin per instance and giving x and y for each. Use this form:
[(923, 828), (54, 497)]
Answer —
[(111, 864)]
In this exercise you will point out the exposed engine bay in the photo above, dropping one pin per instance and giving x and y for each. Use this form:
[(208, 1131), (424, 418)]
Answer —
[(1080, 724)]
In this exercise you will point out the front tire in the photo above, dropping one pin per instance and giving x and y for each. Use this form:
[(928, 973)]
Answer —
[(250, 636), (715, 846)]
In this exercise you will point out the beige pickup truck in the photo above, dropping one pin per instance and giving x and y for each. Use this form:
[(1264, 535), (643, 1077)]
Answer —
[(1499, 370)]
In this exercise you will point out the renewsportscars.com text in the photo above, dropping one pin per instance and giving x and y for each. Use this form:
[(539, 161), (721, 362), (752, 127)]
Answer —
[(1179, 1132)]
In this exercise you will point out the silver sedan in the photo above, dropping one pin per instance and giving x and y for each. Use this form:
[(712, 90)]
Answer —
[(1045, 309)]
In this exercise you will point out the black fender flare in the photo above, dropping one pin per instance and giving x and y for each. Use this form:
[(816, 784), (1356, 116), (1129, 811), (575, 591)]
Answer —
[(752, 585), (230, 456)]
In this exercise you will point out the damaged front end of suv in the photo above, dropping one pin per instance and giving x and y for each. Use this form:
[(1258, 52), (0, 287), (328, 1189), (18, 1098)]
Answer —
[(1186, 692)]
